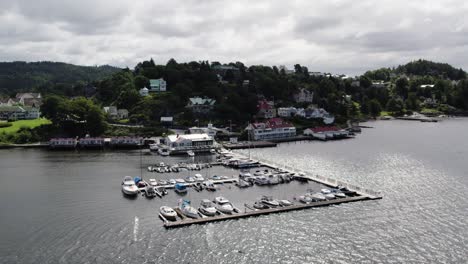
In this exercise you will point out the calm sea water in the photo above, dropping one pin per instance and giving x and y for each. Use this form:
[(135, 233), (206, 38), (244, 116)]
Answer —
[(66, 207)]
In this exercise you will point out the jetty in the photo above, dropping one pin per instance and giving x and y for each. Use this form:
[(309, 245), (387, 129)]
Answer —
[(251, 144), (251, 212)]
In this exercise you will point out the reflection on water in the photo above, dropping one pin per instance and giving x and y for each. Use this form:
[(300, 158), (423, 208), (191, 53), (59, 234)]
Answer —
[(66, 207)]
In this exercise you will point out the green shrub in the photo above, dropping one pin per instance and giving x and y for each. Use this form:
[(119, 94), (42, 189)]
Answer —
[(5, 124)]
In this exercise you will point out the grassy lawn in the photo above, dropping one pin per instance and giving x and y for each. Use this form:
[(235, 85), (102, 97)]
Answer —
[(16, 125)]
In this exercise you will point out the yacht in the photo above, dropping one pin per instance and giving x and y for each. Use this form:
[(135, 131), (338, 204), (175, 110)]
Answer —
[(285, 202), (199, 177), (260, 205), (318, 197), (268, 200), (128, 186), (223, 205), (153, 182), (180, 188), (261, 180), (163, 152), (188, 210), (329, 196), (191, 153), (305, 199), (180, 180), (168, 213), (325, 191), (190, 179), (207, 208), (243, 183)]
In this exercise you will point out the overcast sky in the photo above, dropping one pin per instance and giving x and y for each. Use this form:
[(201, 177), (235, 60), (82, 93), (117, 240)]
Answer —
[(339, 36)]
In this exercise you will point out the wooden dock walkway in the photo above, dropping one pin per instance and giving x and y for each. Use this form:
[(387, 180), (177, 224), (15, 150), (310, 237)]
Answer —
[(189, 221)]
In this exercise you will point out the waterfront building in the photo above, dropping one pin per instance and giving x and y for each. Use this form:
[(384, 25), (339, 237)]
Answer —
[(127, 142), (266, 109), (157, 85), (182, 143), (62, 143), (326, 133), (89, 142), (210, 130), (273, 128), (200, 105), (18, 112), (287, 111), (303, 96)]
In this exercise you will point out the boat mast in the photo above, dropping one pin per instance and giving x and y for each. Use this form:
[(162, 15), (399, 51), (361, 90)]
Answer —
[(141, 162)]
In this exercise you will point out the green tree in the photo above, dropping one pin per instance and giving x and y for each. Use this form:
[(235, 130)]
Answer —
[(374, 107)]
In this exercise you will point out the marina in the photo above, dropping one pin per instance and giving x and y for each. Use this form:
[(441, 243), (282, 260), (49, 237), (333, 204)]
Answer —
[(245, 173)]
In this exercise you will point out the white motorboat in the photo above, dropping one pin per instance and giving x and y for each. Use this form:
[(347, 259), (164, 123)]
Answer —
[(273, 179), (180, 180), (209, 185), (163, 182), (243, 183), (161, 164), (325, 191), (153, 182), (245, 174), (285, 202), (187, 209), (128, 186), (305, 199), (207, 208), (329, 196), (163, 152), (172, 181), (191, 153), (150, 168), (318, 197), (223, 205), (261, 180), (339, 195), (190, 179), (168, 213), (268, 200), (154, 147), (199, 177), (260, 205), (212, 151)]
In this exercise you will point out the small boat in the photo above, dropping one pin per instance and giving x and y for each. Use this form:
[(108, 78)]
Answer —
[(243, 184), (261, 180), (150, 192), (161, 164), (128, 186), (161, 190), (329, 196), (207, 208), (216, 177), (305, 199), (325, 191), (199, 177), (318, 197), (172, 181), (153, 147), (163, 152), (162, 182), (190, 179), (285, 202), (168, 213), (346, 191), (212, 151), (180, 188), (209, 185), (188, 210), (268, 200), (273, 179), (153, 182), (339, 195), (180, 180), (223, 205), (191, 153), (260, 205), (150, 168), (197, 186)]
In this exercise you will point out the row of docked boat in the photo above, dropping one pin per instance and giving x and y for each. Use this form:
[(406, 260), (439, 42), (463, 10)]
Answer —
[(133, 186), (207, 208), (162, 168), (325, 194), (263, 177)]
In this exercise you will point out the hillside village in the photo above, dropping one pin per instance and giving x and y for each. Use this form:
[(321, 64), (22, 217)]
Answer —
[(152, 98)]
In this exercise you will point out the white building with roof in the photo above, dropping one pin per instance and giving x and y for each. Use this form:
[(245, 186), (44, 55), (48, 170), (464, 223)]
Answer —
[(144, 91), (179, 144), (157, 85)]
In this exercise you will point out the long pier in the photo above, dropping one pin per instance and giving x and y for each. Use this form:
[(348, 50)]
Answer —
[(190, 221)]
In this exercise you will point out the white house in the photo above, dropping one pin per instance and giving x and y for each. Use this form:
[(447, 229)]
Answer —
[(157, 85), (182, 143), (303, 96), (287, 111), (122, 113), (210, 130), (274, 128), (266, 109), (144, 91)]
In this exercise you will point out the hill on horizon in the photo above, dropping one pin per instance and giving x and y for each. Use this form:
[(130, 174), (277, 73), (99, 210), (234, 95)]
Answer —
[(20, 76)]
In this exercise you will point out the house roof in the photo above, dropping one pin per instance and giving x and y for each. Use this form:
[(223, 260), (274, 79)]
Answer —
[(11, 108), (193, 137), (28, 95), (265, 105), (272, 123), (156, 82)]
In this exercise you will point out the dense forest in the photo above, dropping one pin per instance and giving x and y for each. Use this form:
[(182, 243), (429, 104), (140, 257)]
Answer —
[(48, 77)]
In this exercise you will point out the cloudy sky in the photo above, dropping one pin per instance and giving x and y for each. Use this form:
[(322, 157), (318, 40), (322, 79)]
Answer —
[(339, 36)]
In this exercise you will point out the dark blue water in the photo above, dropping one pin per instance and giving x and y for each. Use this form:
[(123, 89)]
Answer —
[(66, 207)]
